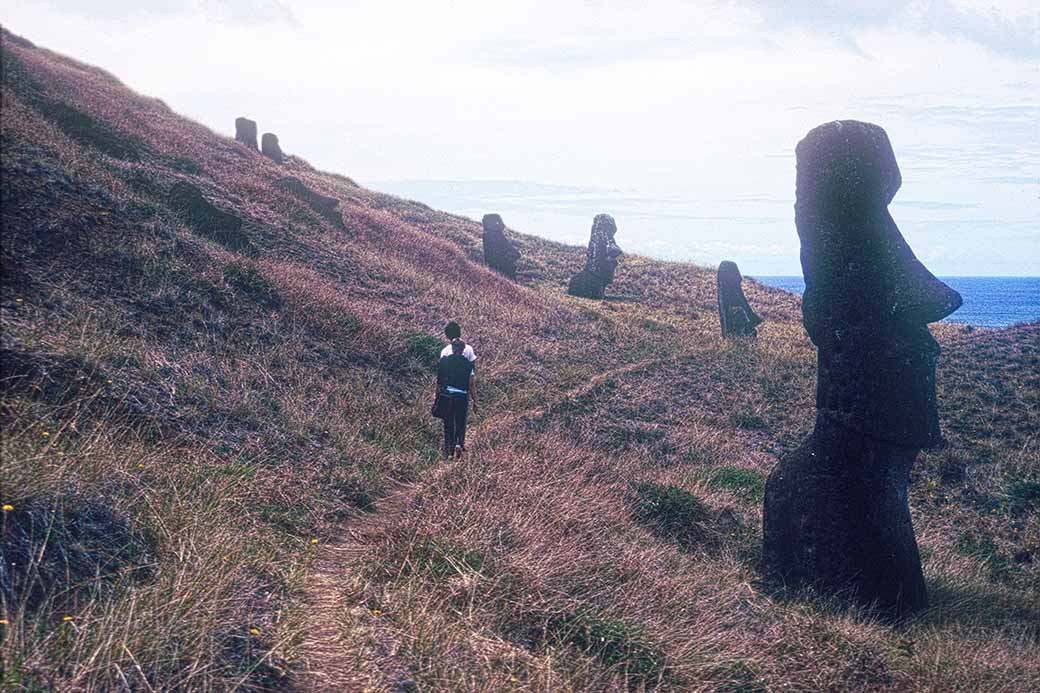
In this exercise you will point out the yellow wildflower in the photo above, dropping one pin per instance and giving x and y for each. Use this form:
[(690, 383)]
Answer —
[(3, 621), (67, 618), (314, 541), (254, 631), (45, 434), (140, 465), (8, 507), (376, 611), (19, 299), (109, 381)]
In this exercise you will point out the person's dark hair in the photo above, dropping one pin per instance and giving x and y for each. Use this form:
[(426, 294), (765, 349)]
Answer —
[(457, 346), (452, 330)]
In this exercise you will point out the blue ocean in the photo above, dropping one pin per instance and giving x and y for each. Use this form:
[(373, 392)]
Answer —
[(988, 301)]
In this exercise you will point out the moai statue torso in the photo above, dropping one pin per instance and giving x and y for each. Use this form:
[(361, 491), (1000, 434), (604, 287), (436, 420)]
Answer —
[(601, 260), (499, 252), (735, 315), (836, 513)]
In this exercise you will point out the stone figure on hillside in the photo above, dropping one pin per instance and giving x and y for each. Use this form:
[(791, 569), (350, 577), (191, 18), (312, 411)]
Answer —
[(499, 252), (735, 315), (204, 217), (269, 147), (245, 132), (601, 261), (836, 515), (324, 205)]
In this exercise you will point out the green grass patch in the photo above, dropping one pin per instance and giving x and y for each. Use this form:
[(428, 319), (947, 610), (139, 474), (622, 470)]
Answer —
[(422, 348), (616, 643), (671, 512), (747, 484), (1023, 494), (999, 566)]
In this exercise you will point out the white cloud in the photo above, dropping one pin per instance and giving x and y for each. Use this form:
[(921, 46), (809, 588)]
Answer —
[(700, 103)]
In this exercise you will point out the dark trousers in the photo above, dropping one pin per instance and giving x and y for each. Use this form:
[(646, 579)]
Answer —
[(455, 423)]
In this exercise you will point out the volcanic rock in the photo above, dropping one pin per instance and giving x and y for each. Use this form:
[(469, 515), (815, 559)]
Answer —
[(601, 260), (206, 219), (499, 252), (269, 147), (836, 515), (735, 315), (322, 204), (245, 132)]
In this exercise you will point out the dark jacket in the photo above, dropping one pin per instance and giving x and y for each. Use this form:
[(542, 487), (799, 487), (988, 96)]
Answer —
[(454, 371)]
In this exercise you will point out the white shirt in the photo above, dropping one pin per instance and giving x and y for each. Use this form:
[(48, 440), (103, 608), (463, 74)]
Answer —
[(467, 352)]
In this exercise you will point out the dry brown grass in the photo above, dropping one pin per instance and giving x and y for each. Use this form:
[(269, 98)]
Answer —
[(264, 399)]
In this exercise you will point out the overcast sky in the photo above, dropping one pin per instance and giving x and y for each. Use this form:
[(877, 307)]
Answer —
[(680, 118)]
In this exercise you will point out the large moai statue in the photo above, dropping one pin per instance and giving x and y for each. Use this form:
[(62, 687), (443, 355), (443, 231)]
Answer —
[(499, 252), (245, 132), (269, 147), (601, 261), (735, 315), (836, 515)]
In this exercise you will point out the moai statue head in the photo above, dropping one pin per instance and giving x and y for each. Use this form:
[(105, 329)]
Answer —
[(499, 252), (735, 315), (269, 147), (603, 254), (868, 300), (245, 132)]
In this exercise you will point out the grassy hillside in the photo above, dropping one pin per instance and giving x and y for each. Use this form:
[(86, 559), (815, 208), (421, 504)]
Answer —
[(219, 470)]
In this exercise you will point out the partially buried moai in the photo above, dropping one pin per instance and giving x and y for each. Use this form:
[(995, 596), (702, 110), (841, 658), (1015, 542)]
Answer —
[(836, 515), (600, 262), (499, 252), (735, 315)]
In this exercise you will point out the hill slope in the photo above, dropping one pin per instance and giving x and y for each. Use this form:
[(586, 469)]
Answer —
[(199, 396)]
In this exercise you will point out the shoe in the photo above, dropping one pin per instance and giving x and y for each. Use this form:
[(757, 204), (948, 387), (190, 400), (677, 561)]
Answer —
[(458, 451)]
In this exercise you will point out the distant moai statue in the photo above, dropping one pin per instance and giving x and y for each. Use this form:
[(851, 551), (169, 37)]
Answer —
[(499, 252), (601, 260), (836, 515), (735, 315), (245, 132), (269, 147)]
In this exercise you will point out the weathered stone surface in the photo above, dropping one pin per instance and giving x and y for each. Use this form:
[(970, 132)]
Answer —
[(499, 252), (735, 315), (601, 260), (245, 132), (836, 515), (269, 147), (202, 216), (322, 204)]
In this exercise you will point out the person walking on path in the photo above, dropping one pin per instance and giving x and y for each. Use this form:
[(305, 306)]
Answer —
[(456, 381)]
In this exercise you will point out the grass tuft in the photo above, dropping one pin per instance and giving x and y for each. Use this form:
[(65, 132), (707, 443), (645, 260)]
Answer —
[(671, 512)]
